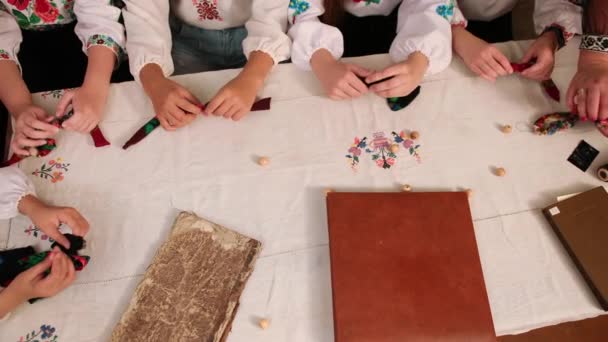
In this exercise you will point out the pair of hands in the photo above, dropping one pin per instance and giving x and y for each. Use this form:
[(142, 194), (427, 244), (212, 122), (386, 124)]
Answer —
[(488, 62), (588, 92), (344, 80), (176, 107), (32, 123), (34, 283)]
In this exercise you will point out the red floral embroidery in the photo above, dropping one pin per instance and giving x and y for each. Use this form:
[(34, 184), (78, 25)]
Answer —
[(45, 11), (207, 10), (19, 4)]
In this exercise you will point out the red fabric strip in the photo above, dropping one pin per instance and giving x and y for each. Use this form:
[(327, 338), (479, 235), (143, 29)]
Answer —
[(98, 139)]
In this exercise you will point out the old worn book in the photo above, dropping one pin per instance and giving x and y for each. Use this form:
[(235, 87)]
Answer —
[(191, 290), (587, 330), (405, 267), (581, 223)]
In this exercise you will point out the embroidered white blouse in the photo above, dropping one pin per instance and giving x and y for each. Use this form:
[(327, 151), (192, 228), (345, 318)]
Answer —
[(147, 23), (97, 23), (422, 25), (566, 14), (14, 185)]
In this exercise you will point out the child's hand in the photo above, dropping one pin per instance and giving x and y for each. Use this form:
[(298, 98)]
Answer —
[(406, 76), (235, 99), (32, 283), (543, 51), (173, 104), (49, 218), (340, 80), (88, 105), (31, 129), (482, 58)]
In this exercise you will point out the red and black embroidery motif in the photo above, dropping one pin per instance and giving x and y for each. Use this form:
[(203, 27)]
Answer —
[(207, 10)]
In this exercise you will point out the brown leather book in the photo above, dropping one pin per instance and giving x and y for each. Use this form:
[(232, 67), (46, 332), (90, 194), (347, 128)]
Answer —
[(587, 330), (405, 267), (581, 223)]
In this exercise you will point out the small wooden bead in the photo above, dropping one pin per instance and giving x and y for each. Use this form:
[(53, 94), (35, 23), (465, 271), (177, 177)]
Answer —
[(394, 148), (501, 172), (406, 188), (414, 135), (263, 161), (33, 152), (264, 323), (506, 129)]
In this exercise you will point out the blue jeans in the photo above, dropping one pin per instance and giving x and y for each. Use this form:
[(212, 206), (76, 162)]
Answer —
[(197, 50)]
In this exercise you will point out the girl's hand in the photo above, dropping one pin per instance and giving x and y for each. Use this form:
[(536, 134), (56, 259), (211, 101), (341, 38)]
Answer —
[(173, 104), (404, 76), (32, 283), (49, 218), (482, 58), (32, 128), (543, 51), (235, 99), (88, 105), (340, 80)]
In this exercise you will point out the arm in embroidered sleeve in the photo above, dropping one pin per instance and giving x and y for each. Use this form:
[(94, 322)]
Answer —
[(425, 26), (266, 30), (559, 16), (98, 26), (147, 24), (10, 36), (309, 34), (14, 185)]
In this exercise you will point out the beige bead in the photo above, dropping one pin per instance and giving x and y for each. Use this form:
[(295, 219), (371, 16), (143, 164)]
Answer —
[(506, 129), (406, 188), (263, 161), (33, 152), (500, 172), (394, 148), (414, 135), (469, 192), (327, 191), (264, 323)]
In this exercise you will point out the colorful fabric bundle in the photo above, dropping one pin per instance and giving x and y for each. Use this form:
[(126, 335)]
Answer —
[(99, 140), (548, 85), (150, 126), (398, 103), (15, 261), (40, 151), (552, 123)]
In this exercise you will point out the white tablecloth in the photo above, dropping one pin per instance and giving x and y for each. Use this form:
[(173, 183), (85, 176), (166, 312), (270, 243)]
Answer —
[(131, 197)]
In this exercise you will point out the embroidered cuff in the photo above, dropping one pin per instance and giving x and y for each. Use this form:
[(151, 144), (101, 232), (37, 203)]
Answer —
[(594, 43), (559, 34), (5, 56), (107, 41)]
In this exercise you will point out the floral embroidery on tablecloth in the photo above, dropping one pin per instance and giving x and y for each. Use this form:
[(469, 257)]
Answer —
[(297, 7), (207, 10), (368, 2), (32, 230), (40, 13), (383, 150), (54, 171), (55, 94), (107, 41), (446, 10), (46, 333)]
